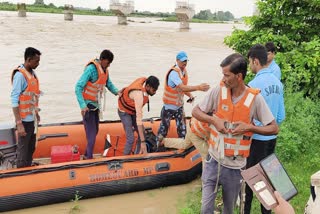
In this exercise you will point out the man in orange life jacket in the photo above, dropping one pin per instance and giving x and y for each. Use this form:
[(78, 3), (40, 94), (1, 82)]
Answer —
[(130, 105), (24, 98), (89, 90), (234, 106), (176, 86)]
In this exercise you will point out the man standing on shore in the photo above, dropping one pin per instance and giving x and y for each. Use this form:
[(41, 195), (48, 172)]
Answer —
[(271, 63), (235, 106), (272, 91)]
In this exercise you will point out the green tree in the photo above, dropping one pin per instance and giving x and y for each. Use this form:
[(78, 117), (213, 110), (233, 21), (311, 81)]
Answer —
[(99, 9), (220, 16), (39, 2), (228, 16), (52, 5), (204, 15), (293, 25)]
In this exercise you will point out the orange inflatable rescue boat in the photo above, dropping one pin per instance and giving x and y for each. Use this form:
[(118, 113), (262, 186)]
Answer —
[(59, 173)]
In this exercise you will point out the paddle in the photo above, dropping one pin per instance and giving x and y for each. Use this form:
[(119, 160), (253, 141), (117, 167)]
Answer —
[(45, 136)]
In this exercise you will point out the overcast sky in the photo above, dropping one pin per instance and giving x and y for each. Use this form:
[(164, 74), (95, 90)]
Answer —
[(237, 7)]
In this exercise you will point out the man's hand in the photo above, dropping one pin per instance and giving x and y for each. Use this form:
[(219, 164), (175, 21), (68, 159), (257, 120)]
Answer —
[(20, 130), (191, 100), (203, 87), (38, 118), (219, 124), (84, 110), (120, 92), (283, 207), (143, 148), (240, 128)]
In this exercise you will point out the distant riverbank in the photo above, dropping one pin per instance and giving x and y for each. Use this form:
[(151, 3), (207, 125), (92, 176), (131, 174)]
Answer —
[(51, 8)]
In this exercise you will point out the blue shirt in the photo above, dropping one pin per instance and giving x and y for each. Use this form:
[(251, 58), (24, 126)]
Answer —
[(275, 69), (91, 74), (19, 84), (173, 80), (272, 91)]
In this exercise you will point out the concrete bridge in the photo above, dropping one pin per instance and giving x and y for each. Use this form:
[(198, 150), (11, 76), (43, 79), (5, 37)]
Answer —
[(122, 10), (68, 12), (184, 12), (22, 9)]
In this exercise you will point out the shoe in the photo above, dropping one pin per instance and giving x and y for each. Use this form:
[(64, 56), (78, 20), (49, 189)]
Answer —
[(35, 164)]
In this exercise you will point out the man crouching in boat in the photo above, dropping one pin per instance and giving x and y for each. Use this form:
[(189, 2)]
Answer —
[(24, 98), (130, 105), (235, 106), (197, 135), (89, 90)]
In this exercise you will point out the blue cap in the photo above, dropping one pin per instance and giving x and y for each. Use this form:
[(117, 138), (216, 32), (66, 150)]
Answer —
[(182, 56)]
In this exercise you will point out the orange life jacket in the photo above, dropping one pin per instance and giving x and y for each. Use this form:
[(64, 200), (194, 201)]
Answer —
[(174, 96), (29, 98), (228, 144), (92, 90), (200, 129), (125, 103)]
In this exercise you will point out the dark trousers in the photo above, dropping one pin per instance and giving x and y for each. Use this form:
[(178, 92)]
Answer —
[(228, 178), (258, 151), (26, 145), (91, 126), (166, 116), (129, 123)]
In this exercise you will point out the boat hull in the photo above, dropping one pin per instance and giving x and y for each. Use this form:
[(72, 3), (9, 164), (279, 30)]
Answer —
[(102, 176)]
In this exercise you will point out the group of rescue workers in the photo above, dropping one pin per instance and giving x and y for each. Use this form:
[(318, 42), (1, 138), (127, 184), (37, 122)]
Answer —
[(233, 127)]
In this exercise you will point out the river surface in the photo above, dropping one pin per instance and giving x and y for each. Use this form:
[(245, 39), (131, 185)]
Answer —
[(143, 47)]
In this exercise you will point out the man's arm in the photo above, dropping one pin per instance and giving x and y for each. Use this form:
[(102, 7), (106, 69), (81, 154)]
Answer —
[(282, 112), (82, 82), (111, 87), (137, 96), (175, 80), (204, 117), (190, 88), (262, 113), (269, 129), (18, 85)]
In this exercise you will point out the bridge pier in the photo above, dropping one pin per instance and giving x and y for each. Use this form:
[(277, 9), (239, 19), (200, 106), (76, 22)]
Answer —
[(22, 10), (122, 20), (68, 12), (122, 10), (184, 12)]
